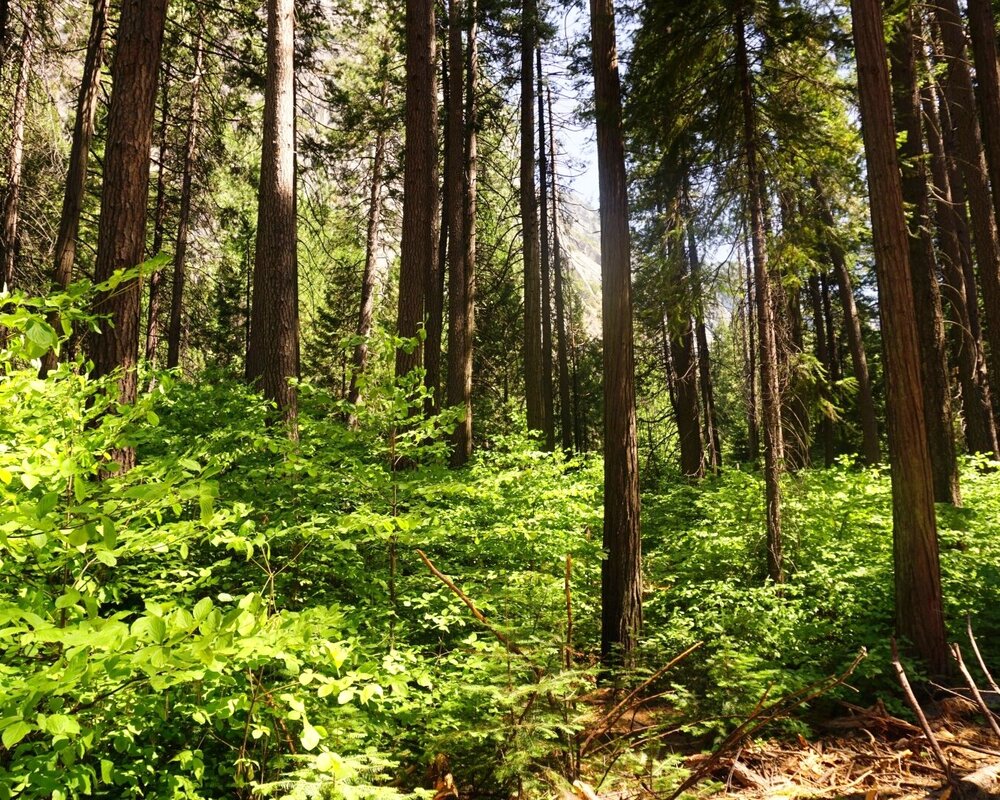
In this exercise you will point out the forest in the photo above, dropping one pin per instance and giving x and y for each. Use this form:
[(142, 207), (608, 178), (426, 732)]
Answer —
[(493, 399)]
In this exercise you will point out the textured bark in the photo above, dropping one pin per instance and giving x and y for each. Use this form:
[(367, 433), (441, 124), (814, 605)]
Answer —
[(461, 186), (366, 310), (621, 571), (753, 407), (770, 394), (982, 30), (434, 284), (919, 615), (121, 237), (419, 178), (10, 216), (680, 336), (923, 270), (159, 221), (534, 399), (796, 434), (273, 355), (822, 351), (832, 343), (979, 424), (871, 448), (546, 266), (565, 410), (184, 217), (79, 156), (959, 95)]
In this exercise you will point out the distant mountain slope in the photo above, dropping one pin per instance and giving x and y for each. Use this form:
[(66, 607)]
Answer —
[(580, 238)]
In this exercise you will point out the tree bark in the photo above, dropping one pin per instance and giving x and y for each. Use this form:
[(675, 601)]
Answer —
[(822, 351), (434, 291), (366, 309), (11, 215), (460, 185), (980, 427), (770, 394), (621, 571), (565, 410), (919, 615), (184, 221), (121, 237), (79, 156), (753, 407), (923, 270), (546, 266), (533, 393), (982, 29), (871, 449), (960, 97), (419, 178), (273, 357), (713, 445), (159, 220)]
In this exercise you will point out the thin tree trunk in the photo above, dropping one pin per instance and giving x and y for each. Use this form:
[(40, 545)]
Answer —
[(273, 357), (871, 449), (546, 266), (753, 408), (184, 221), (533, 392), (980, 428), (434, 296), (832, 344), (79, 155), (919, 615), (923, 271), (621, 571), (682, 354), (565, 411), (11, 217), (960, 97), (770, 395), (121, 238), (457, 186), (366, 309), (419, 178), (823, 357), (159, 221), (710, 420)]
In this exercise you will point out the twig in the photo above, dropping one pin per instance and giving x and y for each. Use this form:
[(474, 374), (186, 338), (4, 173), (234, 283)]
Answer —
[(612, 716), (569, 611), (503, 638), (956, 653), (921, 717), (979, 656), (764, 715)]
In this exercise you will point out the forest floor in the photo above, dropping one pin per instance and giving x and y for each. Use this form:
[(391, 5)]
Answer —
[(865, 754)]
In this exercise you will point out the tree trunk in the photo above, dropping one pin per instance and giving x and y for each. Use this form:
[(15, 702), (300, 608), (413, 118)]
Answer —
[(982, 27), (457, 187), (533, 392), (419, 178), (121, 237), (682, 355), (852, 325), (713, 445), (565, 410), (923, 270), (919, 615), (273, 357), (825, 387), (960, 97), (770, 394), (11, 217), (184, 221), (753, 407), (366, 310), (435, 281), (159, 221), (621, 571), (79, 155), (980, 428), (546, 267)]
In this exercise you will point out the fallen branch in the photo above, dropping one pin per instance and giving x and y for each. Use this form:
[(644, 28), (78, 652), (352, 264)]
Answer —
[(503, 638), (956, 653), (765, 715), (979, 656), (615, 714), (911, 698)]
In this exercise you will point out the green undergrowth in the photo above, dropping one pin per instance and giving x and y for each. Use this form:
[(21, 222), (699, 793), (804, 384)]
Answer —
[(241, 615)]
